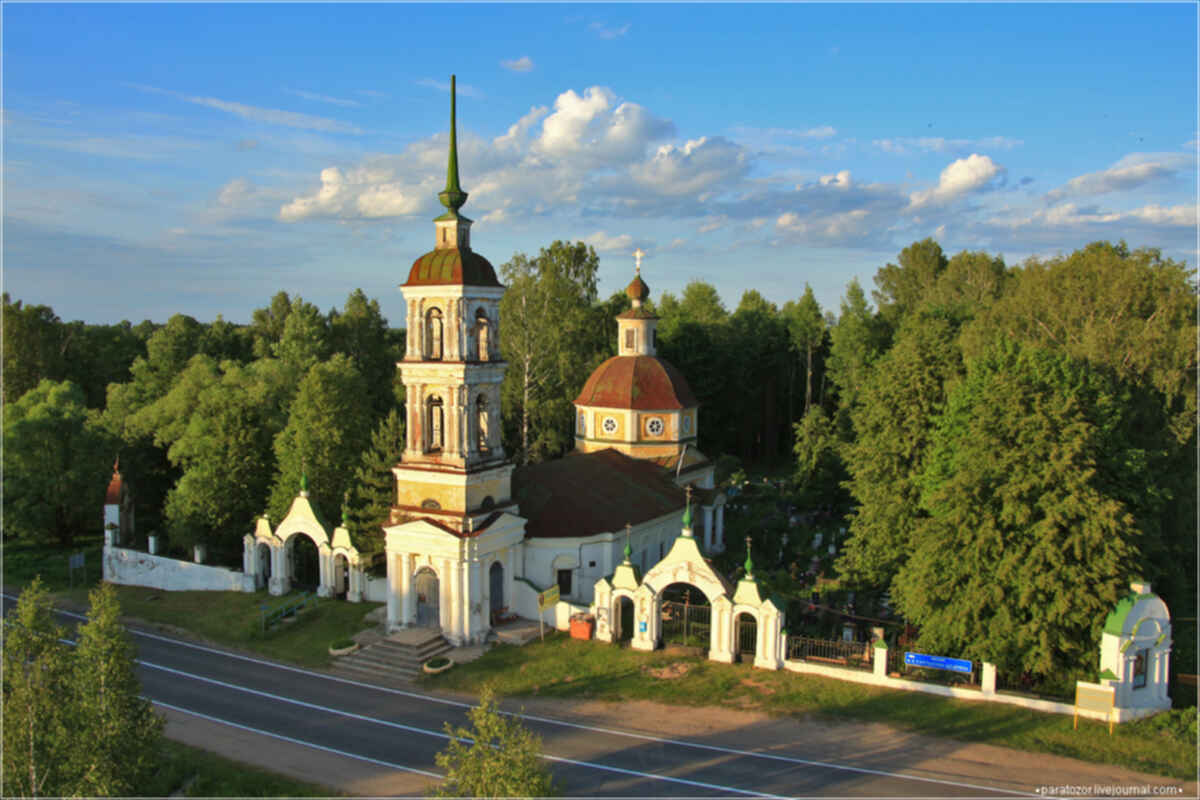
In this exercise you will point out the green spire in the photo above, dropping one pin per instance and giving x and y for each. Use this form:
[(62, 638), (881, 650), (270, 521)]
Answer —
[(628, 546), (346, 509), (452, 196), (304, 481), (687, 514), (749, 565)]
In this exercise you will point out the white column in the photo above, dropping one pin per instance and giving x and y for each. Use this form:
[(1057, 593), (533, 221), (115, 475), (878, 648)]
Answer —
[(407, 595), (472, 591), (477, 581), (708, 529), (325, 571), (721, 528), (508, 578), (453, 591), (393, 596)]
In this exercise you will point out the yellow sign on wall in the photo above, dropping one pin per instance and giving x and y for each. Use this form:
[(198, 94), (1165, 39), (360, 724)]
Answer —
[(1094, 697), (547, 598)]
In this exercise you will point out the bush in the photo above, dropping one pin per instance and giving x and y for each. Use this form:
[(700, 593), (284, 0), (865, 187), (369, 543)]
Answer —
[(342, 644), (437, 663)]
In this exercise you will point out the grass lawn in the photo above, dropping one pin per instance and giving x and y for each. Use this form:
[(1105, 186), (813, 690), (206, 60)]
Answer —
[(568, 668), (197, 773), (24, 560), (233, 619)]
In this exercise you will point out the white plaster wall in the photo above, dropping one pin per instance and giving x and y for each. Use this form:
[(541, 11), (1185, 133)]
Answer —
[(1036, 704), (135, 568), (375, 589), (605, 549)]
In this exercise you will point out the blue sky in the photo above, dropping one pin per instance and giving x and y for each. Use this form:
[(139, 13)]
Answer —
[(198, 158)]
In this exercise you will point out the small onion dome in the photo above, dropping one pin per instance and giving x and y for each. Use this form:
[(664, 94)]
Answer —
[(113, 495), (637, 289), (452, 267), (642, 382)]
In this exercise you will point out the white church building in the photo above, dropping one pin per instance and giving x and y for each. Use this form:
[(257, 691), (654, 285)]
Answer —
[(472, 538)]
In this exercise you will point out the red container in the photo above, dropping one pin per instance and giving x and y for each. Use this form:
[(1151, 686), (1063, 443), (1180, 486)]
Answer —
[(582, 627)]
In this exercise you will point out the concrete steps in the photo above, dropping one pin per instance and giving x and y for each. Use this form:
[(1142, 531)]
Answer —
[(396, 657)]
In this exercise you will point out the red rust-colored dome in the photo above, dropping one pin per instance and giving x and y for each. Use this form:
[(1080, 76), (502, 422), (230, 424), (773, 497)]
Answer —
[(637, 289), (452, 267), (641, 382)]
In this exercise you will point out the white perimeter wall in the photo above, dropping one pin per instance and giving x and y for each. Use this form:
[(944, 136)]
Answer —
[(137, 568)]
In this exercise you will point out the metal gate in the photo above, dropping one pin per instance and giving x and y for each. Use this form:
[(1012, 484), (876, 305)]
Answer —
[(686, 624), (747, 634)]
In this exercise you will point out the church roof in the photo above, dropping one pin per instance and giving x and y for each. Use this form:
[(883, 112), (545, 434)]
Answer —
[(452, 266), (642, 382), (637, 313), (583, 494), (637, 289)]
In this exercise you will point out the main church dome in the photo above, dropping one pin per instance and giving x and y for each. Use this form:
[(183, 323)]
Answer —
[(637, 382)]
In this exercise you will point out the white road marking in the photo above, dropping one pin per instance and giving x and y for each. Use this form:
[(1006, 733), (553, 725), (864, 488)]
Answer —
[(441, 735), (579, 726), (261, 732)]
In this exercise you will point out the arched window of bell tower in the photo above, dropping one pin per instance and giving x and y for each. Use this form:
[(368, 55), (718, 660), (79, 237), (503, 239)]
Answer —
[(482, 335), (434, 424), (481, 418), (433, 334)]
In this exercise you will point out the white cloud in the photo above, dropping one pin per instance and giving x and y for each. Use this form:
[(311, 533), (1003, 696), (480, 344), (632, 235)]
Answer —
[(962, 177), (938, 144), (841, 180), (366, 192), (583, 126), (609, 32), (1129, 173), (522, 64), (271, 116), (323, 98), (608, 244), (1072, 216), (698, 165), (235, 193)]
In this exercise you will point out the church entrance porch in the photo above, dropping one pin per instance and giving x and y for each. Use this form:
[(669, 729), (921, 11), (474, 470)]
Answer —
[(426, 584)]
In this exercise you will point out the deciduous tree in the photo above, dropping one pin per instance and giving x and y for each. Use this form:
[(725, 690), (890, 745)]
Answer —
[(496, 756)]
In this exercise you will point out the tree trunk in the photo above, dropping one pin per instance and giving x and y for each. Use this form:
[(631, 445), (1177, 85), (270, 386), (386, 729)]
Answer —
[(808, 380), (525, 411)]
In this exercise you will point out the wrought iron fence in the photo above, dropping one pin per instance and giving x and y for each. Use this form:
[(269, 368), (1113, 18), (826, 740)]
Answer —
[(858, 655), (686, 624)]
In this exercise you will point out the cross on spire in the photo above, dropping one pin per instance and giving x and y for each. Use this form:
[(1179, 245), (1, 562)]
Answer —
[(637, 260)]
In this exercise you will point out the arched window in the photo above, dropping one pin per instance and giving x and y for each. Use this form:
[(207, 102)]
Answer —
[(481, 418), (482, 335), (433, 334), (433, 424)]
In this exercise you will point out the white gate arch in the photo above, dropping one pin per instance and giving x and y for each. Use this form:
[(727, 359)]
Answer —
[(685, 564), (302, 520)]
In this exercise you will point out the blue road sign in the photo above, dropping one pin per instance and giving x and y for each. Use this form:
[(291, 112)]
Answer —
[(938, 662)]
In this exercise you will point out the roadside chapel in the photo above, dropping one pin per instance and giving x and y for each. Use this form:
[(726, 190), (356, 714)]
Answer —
[(472, 537)]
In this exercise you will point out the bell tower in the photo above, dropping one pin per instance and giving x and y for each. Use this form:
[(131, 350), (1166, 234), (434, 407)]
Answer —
[(454, 469)]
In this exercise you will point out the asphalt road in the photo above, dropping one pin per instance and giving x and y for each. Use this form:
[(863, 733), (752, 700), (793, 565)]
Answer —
[(403, 730)]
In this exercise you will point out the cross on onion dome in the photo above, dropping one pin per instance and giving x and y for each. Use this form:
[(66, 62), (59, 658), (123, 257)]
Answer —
[(637, 258)]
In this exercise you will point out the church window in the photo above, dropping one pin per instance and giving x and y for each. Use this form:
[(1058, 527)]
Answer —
[(433, 335), (481, 417), (433, 424), (687, 423), (564, 582), (488, 503), (630, 334), (431, 504), (1139, 669), (610, 425), (482, 336), (581, 424), (655, 426)]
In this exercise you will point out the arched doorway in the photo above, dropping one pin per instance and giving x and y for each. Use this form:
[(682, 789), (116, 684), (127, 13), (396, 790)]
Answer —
[(341, 575), (686, 616), (305, 563), (623, 620), (745, 636), (496, 590), (426, 585), (264, 564)]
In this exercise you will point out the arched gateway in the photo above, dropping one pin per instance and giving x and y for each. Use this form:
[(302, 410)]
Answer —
[(685, 564)]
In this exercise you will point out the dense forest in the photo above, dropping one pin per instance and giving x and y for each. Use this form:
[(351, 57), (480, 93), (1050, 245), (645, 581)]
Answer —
[(1009, 445)]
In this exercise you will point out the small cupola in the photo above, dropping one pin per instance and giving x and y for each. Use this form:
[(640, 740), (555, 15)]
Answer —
[(637, 333)]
